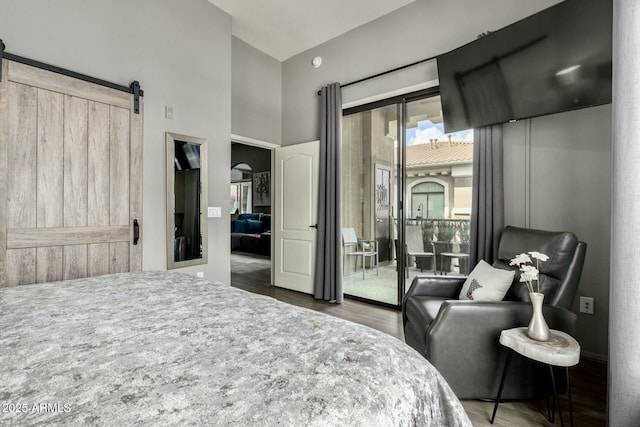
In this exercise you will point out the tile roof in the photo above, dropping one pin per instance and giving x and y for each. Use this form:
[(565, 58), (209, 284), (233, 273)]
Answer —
[(439, 152)]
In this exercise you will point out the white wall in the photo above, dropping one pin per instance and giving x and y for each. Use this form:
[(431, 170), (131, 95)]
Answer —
[(181, 54), (417, 31), (558, 177), (256, 95)]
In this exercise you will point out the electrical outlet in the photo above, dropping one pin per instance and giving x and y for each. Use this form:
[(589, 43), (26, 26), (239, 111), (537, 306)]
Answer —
[(200, 274), (586, 305)]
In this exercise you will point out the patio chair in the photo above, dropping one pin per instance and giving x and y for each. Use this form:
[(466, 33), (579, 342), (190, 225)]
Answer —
[(416, 249), (352, 246)]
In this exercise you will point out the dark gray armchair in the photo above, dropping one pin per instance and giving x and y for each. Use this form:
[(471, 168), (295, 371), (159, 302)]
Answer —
[(460, 338)]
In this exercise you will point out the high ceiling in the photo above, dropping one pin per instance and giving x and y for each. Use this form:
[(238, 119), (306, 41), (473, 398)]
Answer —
[(284, 28)]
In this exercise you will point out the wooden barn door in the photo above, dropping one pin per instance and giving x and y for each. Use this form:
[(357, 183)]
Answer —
[(70, 177)]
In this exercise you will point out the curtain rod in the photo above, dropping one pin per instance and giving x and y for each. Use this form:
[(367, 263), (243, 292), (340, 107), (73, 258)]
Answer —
[(393, 70)]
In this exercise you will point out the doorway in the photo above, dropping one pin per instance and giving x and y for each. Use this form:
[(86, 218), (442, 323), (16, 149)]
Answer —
[(250, 212), (406, 188)]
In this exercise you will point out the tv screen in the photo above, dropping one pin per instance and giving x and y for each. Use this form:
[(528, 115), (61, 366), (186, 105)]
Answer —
[(556, 60)]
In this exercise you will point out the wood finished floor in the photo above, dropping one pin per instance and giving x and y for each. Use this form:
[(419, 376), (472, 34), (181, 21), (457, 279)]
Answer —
[(589, 378)]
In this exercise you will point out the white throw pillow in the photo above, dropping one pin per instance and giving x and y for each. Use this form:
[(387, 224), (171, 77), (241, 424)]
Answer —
[(486, 283)]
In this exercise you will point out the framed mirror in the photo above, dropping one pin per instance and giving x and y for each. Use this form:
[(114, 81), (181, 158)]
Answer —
[(186, 200)]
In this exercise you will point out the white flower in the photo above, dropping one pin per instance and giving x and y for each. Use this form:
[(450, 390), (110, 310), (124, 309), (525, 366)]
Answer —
[(520, 259), (539, 256), (529, 273)]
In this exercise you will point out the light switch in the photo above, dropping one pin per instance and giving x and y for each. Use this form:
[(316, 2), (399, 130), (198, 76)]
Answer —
[(168, 112), (214, 212)]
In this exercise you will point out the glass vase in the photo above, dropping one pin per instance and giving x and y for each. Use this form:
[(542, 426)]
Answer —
[(538, 328)]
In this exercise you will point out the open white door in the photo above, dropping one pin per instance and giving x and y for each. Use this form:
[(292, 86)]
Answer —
[(295, 216)]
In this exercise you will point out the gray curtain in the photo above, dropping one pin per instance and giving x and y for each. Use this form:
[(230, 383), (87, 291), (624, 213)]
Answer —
[(328, 279), (487, 209)]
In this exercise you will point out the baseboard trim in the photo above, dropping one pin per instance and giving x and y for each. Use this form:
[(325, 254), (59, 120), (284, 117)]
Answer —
[(594, 356)]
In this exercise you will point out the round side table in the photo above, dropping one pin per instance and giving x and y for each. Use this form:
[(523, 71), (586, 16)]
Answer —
[(463, 259), (562, 350)]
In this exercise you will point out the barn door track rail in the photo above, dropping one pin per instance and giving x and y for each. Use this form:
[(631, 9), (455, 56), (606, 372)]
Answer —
[(133, 89)]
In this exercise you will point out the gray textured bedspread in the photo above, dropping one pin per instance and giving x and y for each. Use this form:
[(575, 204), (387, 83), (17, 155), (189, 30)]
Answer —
[(159, 348)]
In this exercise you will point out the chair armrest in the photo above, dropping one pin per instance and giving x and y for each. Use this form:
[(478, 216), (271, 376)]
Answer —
[(442, 286), (462, 342), (348, 248), (476, 325), (369, 242)]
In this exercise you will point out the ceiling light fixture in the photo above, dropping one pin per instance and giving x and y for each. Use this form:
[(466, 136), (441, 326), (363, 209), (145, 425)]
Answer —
[(316, 61)]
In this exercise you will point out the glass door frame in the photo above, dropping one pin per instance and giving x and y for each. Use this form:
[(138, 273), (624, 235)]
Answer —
[(401, 102)]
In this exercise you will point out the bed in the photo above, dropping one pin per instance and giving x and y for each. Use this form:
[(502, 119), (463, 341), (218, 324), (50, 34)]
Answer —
[(165, 348)]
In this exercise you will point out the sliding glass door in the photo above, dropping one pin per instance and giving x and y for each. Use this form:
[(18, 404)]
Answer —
[(369, 203), (438, 177), (405, 185)]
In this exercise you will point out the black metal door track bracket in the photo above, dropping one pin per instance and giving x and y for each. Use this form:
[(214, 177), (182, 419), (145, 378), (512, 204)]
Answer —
[(133, 89)]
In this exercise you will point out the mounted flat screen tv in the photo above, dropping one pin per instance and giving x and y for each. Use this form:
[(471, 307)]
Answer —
[(556, 60)]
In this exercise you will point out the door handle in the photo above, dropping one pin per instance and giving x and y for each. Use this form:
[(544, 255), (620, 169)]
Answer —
[(136, 231), (314, 226)]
